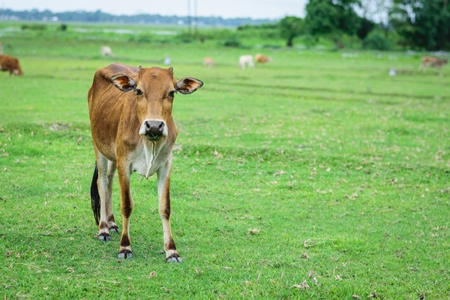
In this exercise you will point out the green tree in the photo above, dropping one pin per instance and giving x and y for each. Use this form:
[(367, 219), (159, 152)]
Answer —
[(377, 11), (365, 27), (332, 18), (290, 28), (422, 23)]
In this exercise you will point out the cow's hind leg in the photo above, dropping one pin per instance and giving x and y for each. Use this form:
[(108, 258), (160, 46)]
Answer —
[(126, 207), (105, 180), (108, 205)]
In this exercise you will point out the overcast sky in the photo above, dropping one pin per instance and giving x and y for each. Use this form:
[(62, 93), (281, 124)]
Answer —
[(256, 9)]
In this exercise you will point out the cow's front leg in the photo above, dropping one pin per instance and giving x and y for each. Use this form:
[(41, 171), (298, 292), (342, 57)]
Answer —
[(126, 207), (164, 212)]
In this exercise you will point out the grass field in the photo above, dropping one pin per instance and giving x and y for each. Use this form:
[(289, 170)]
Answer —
[(317, 176)]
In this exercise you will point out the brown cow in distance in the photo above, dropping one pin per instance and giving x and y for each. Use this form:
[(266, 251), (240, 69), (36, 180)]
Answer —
[(428, 61), (133, 130), (11, 64), (260, 58), (208, 62)]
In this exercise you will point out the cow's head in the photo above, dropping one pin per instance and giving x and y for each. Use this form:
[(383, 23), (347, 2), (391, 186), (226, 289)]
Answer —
[(154, 90)]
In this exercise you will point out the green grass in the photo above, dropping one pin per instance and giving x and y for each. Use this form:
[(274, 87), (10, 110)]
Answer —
[(314, 169)]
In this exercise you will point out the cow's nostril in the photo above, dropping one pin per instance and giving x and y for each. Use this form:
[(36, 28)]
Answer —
[(154, 130)]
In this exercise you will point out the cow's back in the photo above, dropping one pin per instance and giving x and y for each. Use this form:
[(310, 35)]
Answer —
[(108, 106), (6, 60)]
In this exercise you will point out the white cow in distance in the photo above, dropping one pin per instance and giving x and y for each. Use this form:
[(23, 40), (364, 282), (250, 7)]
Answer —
[(246, 60), (106, 51), (167, 60)]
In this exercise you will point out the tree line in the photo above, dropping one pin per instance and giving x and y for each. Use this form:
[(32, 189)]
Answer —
[(416, 24), (102, 17)]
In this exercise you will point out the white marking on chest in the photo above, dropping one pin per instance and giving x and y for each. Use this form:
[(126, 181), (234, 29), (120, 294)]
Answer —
[(144, 159)]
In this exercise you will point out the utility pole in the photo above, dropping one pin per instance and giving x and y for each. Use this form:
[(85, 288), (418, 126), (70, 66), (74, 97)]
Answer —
[(195, 20), (189, 17)]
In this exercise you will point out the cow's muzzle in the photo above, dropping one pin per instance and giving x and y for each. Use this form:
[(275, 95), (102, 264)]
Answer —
[(153, 129)]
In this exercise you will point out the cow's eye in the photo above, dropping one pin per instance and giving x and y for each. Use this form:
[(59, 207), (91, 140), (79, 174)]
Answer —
[(171, 94), (139, 92)]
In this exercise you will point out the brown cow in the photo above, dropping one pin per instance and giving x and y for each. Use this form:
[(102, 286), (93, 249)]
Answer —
[(133, 130), (11, 64), (428, 61), (262, 58), (208, 62)]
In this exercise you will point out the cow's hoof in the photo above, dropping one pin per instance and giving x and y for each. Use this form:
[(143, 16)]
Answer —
[(114, 229), (125, 254), (104, 237), (174, 258)]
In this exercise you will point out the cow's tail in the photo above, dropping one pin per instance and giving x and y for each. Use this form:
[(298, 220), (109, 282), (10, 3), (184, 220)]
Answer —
[(95, 196)]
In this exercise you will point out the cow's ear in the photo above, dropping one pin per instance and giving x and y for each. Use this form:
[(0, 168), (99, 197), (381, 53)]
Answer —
[(123, 82), (188, 85)]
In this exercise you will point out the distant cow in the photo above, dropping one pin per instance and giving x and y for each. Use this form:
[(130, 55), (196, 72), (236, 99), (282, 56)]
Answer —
[(262, 58), (11, 64), (132, 128), (167, 60), (428, 61), (208, 62), (106, 51), (246, 60)]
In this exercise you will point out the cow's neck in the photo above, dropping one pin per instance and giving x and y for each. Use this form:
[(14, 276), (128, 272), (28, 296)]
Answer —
[(151, 151)]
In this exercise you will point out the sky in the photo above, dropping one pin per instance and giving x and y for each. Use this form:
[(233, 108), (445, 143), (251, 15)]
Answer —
[(255, 9)]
